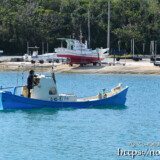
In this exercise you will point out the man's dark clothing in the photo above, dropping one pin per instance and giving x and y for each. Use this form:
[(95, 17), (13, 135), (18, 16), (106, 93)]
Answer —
[(30, 83)]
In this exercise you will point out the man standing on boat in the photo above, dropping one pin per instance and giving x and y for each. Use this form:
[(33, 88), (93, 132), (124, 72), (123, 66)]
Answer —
[(30, 82)]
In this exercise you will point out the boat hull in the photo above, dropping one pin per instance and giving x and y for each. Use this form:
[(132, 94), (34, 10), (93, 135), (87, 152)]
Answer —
[(10, 101), (80, 59)]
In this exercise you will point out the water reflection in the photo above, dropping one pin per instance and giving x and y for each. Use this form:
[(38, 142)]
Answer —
[(44, 111), (51, 111), (105, 107)]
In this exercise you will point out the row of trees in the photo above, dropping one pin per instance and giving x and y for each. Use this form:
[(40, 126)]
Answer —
[(37, 21)]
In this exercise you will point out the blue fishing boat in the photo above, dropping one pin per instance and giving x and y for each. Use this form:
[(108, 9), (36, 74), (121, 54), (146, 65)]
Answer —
[(45, 95)]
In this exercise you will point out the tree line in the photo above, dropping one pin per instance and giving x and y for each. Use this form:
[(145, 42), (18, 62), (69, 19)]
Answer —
[(37, 21)]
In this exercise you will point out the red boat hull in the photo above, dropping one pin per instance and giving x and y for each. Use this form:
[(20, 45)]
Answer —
[(80, 59)]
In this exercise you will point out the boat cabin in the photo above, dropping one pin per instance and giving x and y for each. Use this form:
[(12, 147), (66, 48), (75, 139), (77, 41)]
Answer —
[(45, 89), (74, 44)]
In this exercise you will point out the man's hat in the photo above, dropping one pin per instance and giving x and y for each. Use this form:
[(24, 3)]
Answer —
[(31, 71)]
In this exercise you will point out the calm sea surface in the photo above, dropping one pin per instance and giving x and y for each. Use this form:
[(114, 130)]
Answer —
[(84, 134)]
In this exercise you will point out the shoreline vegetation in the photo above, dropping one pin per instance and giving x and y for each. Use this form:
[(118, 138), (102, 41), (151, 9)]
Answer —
[(40, 23), (123, 67)]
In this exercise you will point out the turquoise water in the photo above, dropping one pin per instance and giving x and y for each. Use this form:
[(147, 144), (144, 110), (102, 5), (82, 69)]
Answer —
[(83, 134)]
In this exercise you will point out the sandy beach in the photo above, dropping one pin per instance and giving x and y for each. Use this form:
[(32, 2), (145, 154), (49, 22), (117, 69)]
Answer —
[(107, 67)]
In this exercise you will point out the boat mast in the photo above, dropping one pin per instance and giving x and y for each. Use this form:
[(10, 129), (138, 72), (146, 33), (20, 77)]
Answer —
[(89, 39), (81, 39), (108, 34), (89, 26), (80, 36), (82, 57)]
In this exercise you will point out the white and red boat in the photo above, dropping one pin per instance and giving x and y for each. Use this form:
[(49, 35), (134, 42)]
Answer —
[(77, 52)]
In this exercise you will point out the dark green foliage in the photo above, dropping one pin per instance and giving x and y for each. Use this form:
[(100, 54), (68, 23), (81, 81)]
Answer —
[(37, 21)]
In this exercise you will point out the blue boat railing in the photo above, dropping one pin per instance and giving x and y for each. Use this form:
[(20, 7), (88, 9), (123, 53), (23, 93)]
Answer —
[(14, 88)]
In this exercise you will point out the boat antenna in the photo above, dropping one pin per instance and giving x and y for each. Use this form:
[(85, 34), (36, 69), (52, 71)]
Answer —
[(17, 75), (53, 77), (52, 66), (22, 74), (81, 39), (81, 35)]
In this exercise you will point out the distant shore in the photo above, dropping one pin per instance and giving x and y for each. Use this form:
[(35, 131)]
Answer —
[(124, 67)]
